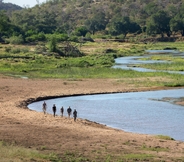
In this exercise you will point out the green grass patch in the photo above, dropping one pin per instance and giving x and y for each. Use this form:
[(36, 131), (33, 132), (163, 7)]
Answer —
[(172, 66), (163, 45), (156, 148), (138, 157), (15, 153), (19, 154), (164, 137)]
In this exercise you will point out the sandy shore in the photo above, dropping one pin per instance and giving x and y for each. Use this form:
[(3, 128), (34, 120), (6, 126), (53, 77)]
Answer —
[(32, 129)]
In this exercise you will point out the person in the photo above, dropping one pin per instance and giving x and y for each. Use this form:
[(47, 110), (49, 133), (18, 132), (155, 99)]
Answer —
[(62, 111), (54, 109), (69, 110), (75, 115), (44, 107)]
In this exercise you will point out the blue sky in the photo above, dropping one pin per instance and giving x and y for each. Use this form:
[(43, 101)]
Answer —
[(24, 3)]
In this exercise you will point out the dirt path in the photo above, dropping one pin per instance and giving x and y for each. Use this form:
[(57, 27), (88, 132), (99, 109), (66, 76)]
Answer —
[(32, 129)]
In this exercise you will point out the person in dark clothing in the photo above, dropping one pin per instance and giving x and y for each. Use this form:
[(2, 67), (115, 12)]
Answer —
[(54, 109), (69, 111), (44, 107), (75, 115), (62, 111)]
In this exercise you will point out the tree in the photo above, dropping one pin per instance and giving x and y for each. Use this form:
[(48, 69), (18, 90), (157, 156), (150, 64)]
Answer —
[(159, 24), (97, 23), (5, 25), (123, 26), (150, 8), (177, 22), (81, 31)]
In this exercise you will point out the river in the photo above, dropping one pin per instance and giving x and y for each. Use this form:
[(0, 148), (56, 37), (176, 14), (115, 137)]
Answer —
[(139, 112)]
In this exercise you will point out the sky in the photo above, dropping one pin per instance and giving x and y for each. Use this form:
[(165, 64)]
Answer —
[(24, 3)]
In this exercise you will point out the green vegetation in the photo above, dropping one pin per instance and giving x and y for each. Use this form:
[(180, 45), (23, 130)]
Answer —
[(173, 63), (157, 148), (164, 137), (19, 154), (172, 66), (138, 157), (93, 19), (38, 62)]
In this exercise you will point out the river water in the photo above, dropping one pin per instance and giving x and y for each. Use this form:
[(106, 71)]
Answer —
[(139, 112), (127, 63)]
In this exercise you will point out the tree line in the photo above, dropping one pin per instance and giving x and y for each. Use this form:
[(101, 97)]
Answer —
[(71, 19)]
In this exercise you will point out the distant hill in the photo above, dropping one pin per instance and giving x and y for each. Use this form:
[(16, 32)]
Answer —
[(9, 7), (112, 18)]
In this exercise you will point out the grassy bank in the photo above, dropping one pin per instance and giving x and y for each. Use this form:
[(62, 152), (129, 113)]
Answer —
[(13, 153), (19, 154), (172, 63), (29, 62)]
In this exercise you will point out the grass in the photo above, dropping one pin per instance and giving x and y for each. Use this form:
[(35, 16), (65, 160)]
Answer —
[(157, 149), (32, 65), (137, 157), (19, 154), (172, 64), (162, 45), (15, 153), (164, 137)]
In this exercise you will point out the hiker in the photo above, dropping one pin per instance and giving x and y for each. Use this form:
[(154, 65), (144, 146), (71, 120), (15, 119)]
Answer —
[(62, 111), (75, 114), (44, 107), (69, 110), (54, 109)]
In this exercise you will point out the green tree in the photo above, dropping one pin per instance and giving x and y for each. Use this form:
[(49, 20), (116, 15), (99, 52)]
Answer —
[(5, 25), (159, 24), (123, 26), (177, 22), (150, 8), (81, 31), (177, 25), (97, 23)]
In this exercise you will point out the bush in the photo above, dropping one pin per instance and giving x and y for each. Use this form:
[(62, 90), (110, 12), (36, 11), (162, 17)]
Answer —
[(7, 49), (36, 37), (52, 45), (73, 38), (58, 37), (16, 50), (16, 39)]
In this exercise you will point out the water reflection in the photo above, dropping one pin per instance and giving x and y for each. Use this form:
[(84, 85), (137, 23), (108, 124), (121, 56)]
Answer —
[(139, 112)]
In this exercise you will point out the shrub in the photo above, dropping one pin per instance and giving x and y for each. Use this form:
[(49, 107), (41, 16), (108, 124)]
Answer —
[(58, 37), (16, 50), (16, 39), (36, 37), (7, 49), (52, 45), (73, 38)]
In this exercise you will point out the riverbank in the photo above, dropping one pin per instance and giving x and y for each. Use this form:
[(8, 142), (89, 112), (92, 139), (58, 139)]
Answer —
[(97, 142)]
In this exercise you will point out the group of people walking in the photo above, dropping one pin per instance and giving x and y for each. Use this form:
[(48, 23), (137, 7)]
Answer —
[(69, 111)]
